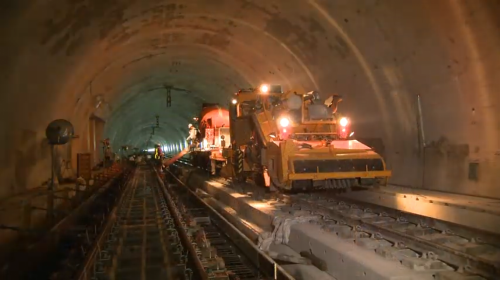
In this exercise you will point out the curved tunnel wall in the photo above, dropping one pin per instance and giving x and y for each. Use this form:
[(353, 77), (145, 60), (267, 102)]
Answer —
[(59, 57)]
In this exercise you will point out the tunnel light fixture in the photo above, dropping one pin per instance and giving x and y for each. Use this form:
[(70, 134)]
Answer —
[(234, 101), (264, 89)]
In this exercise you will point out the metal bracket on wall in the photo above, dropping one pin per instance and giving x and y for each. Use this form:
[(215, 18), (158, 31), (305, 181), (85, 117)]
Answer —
[(169, 96)]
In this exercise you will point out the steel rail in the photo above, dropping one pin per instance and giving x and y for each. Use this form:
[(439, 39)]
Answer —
[(139, 240), (457, 229), (183, 235), (263, 262), (91, 258), (454, 257), (446, 254)]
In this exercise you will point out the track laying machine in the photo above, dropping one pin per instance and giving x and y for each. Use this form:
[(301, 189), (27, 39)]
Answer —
[(213, 138), (213, 123), (287, 141)]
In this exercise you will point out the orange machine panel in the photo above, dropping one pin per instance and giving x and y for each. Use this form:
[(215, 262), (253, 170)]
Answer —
[(219, 116)]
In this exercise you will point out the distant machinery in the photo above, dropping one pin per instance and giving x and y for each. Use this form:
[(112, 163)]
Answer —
[(285, 140), (214, 136)]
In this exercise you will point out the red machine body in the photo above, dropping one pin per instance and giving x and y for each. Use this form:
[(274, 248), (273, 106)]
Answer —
[(214, 123)]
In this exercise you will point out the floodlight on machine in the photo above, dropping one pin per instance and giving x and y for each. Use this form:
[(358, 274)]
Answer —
[(264, 89), (284, 122)]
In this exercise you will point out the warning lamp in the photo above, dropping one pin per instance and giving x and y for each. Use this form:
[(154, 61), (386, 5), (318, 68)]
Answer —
[(343, 122), (234, 101), (344, 130)]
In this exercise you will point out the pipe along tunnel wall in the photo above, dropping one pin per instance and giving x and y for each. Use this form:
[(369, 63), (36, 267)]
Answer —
[(112, 59)]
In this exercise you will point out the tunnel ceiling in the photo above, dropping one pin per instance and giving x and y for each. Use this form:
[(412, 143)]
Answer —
[(126, 52), (61, 58)]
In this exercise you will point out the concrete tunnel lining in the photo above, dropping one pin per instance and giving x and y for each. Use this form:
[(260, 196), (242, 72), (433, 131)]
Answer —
[(378, 54)]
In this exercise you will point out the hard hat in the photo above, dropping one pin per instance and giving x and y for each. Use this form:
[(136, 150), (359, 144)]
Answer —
[(190, 125)]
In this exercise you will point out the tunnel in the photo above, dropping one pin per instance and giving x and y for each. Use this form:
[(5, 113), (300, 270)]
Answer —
[(109, 66)]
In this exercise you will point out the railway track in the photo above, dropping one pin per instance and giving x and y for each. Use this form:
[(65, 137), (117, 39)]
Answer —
[(420, 243), (164, 231), (140, 240)]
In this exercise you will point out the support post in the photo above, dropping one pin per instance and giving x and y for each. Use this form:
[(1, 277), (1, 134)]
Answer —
[(421, 140), (50, 194)]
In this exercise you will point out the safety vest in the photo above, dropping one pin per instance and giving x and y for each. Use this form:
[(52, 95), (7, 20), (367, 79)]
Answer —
[(158, 153)]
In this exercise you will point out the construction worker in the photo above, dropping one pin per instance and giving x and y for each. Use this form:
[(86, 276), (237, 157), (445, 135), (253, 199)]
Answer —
[(158, 155), (333, 102), (131, 160), (223, 141), (192, 139), (157, 151)]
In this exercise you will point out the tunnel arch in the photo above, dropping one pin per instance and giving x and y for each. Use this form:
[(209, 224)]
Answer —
[(378, 54)]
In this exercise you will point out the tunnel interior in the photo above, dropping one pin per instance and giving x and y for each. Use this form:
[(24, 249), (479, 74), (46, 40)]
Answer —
[(107, 66)]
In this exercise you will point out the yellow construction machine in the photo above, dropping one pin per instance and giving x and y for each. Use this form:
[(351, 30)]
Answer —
[(296, 141)]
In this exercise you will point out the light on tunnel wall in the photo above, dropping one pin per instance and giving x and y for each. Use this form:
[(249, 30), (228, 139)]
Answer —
[(151, 149)]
